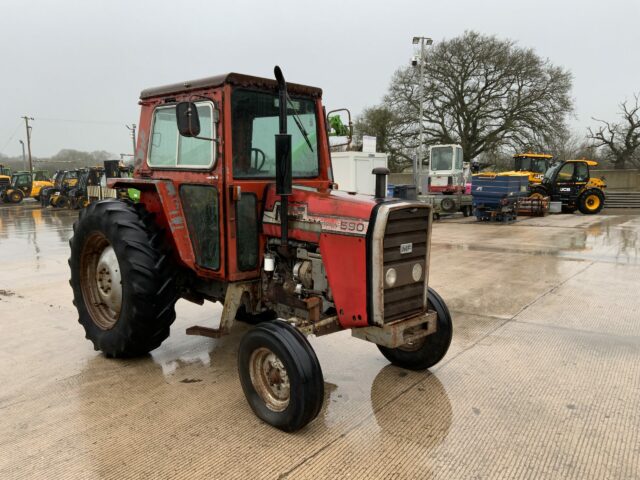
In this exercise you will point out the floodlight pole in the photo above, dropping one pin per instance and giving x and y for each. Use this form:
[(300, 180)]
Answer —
[(418, 173)]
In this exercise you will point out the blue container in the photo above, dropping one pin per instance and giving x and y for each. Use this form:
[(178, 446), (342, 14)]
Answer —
[(495, 191), (390, 190), (406, 192)]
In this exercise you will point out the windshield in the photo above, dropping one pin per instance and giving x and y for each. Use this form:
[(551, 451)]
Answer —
[(529, 164), (255, 123), (441, 158), (551, 172)]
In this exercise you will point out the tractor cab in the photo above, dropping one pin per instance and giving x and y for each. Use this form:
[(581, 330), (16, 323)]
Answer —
[(534, 165), (446, 169), (570, 182)]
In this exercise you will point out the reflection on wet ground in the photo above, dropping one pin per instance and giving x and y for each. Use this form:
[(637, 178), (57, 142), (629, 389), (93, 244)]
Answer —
[(540, 381)]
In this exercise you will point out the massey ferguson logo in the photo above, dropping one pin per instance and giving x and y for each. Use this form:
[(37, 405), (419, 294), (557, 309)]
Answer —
[(406, 248)]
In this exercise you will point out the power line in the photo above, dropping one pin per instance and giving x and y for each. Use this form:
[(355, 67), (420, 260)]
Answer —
[(70, 120), (12, 135)]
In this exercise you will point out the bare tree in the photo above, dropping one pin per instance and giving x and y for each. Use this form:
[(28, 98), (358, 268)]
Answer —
[(483, 93), (621, 141)]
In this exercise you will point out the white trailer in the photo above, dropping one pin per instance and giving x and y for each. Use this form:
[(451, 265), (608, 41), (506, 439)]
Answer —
[(352, 170)]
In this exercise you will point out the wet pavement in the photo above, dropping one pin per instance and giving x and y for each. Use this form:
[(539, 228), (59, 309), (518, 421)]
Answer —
[(541, 381)]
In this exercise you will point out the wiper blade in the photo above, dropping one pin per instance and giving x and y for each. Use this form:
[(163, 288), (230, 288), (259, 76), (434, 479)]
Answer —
[(299, 123)]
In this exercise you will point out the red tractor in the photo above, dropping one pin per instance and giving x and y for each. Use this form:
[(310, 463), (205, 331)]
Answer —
[(237, 205)]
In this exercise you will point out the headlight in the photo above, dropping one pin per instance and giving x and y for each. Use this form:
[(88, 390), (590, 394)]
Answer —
[(416, 272), (390, 277)]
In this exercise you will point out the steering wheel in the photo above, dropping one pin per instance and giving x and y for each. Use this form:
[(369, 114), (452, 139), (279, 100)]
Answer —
[(258, 155)]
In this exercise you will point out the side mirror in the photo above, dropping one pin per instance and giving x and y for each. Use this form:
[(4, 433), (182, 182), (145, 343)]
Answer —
[(187, 119), (340, 128)]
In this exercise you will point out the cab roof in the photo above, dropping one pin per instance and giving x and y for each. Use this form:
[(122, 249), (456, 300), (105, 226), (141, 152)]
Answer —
[(533, 155), (237, 79), (591, 163)]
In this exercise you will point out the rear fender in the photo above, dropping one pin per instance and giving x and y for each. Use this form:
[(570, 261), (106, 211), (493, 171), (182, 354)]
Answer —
[(161, 198)]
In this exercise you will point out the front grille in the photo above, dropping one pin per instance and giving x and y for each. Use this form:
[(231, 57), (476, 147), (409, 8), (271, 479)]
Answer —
[(405, 226), (4, 182)]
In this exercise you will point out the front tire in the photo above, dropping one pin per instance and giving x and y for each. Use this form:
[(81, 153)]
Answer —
[(429, 350), (16, 196), (62, 202), (280, 375), (122, 279), (537, 192), (447, 204)]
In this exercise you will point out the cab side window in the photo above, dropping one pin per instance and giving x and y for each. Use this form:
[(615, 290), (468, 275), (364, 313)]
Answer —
[(582, 172), (566, 173), (169, 149), (23, 181)]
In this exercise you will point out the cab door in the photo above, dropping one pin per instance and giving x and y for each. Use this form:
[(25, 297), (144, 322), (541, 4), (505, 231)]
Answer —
[(192, 168), (24, 183), (570, 181)]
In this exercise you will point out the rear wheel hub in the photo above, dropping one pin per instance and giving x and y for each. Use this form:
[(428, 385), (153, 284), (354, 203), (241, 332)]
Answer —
[(101, 281)]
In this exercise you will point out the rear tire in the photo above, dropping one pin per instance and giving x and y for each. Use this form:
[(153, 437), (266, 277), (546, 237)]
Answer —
[(280, 375), (122, 279), (429, 350), (591, 202), (447, 204)]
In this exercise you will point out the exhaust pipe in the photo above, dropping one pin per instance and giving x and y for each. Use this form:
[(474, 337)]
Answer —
[(381, 182), (283, 159)]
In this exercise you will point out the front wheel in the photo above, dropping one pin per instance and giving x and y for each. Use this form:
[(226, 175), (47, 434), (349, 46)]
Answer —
[(537, 192), (122, 279), (591, 202), (62, 202), (16, 196), (426, 351), (280, 375)]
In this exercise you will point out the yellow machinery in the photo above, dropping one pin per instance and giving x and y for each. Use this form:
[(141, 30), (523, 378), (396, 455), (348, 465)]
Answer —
[(5, 177), (571, 183), (534, 165), (25, 184)]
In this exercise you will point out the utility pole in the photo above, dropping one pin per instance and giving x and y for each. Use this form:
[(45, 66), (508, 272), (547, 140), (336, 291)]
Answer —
[(132, 128), (24, 156), (418, 170), (26, 123)]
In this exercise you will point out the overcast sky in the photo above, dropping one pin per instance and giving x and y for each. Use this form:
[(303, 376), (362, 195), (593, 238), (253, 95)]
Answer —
[(77, 67)]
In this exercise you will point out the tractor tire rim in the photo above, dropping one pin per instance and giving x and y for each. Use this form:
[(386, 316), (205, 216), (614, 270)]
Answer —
[(593, 202), (101, 281), (270, 379)]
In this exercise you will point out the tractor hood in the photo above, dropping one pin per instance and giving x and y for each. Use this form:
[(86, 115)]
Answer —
[(314, 212)]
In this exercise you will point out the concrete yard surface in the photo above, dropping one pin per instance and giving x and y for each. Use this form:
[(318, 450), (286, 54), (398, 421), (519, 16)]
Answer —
[(542, 379)]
